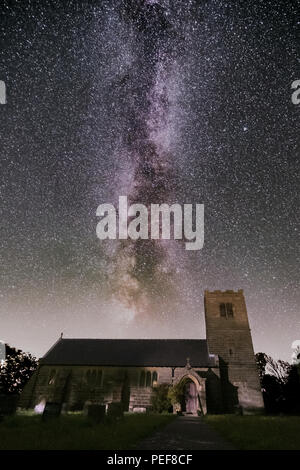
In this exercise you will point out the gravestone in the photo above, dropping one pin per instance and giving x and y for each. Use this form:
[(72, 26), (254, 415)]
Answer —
[(51, 410), (139, 409), (96, 413), (64, 409)]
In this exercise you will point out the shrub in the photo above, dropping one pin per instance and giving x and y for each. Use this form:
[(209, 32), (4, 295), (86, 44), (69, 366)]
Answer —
[(160, 399), (176, 393)]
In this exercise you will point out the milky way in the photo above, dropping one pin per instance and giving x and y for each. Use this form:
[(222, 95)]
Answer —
[(143, 274), (162, 101)]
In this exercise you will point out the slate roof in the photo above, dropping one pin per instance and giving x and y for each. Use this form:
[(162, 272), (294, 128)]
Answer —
[(129, 352)]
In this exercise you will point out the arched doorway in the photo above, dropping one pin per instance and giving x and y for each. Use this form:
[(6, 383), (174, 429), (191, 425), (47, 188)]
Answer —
[(190, 399), (192, 393)]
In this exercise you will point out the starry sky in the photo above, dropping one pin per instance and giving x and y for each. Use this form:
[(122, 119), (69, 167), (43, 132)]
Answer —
[(162, 101)]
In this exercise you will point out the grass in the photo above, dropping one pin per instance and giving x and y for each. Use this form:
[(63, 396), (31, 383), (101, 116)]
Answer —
[(75, 432), (258, 432)]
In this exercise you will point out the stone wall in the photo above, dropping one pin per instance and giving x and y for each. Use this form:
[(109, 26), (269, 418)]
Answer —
[(78, 385)]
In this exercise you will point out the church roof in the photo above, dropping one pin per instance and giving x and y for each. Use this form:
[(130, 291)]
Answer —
[(129, 352)]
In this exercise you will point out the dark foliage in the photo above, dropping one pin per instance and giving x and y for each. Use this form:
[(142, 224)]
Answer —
[(160, 400), (16, 371), (292, 390), (280, 383)]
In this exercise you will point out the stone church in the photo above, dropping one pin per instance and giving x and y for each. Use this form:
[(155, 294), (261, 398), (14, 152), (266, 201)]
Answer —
[(218, 374)]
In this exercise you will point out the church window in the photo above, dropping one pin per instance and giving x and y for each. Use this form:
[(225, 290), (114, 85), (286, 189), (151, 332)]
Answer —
[(148, 379), (154, 378), (226, 310), (42, 380), (91, 377), (142, 379), (52, 377), (88, 376), (99, 378)]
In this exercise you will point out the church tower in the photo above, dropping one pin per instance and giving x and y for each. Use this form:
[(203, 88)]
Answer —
[(228, 336)]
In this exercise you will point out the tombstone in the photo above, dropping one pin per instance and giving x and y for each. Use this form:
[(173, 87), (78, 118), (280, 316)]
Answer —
[(115, 410), (51, 410), (8, 405), (64, 409), (139, 409), (96, 413), (40, 406), (86, 407)]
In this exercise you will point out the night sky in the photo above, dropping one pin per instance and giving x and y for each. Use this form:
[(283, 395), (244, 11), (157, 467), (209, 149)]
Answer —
[(162, 101)]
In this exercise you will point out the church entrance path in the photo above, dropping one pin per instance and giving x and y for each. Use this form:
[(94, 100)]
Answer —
[(185, 433)]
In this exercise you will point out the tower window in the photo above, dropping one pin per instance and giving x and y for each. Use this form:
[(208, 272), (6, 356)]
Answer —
[(223, 310), (226, 310), (229, 310)]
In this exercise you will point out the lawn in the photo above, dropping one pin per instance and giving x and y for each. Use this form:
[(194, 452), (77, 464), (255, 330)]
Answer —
[(76, 432), (258, 432)]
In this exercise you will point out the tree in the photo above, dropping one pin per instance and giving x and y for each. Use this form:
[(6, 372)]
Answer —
[(279, 369), (261, 361), (268, 366), (292, 390), (280, 383), (16, 370)]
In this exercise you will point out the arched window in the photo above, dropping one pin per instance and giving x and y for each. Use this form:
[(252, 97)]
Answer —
[(43, 380), (52, 377), (91, 377), (94, 378), (99, 378), (154, 378), (148, 379), (142, 379)]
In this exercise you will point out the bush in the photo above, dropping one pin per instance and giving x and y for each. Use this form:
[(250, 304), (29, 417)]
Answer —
[(280, 382), (16, 370), (160, 399), (176, 393)]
